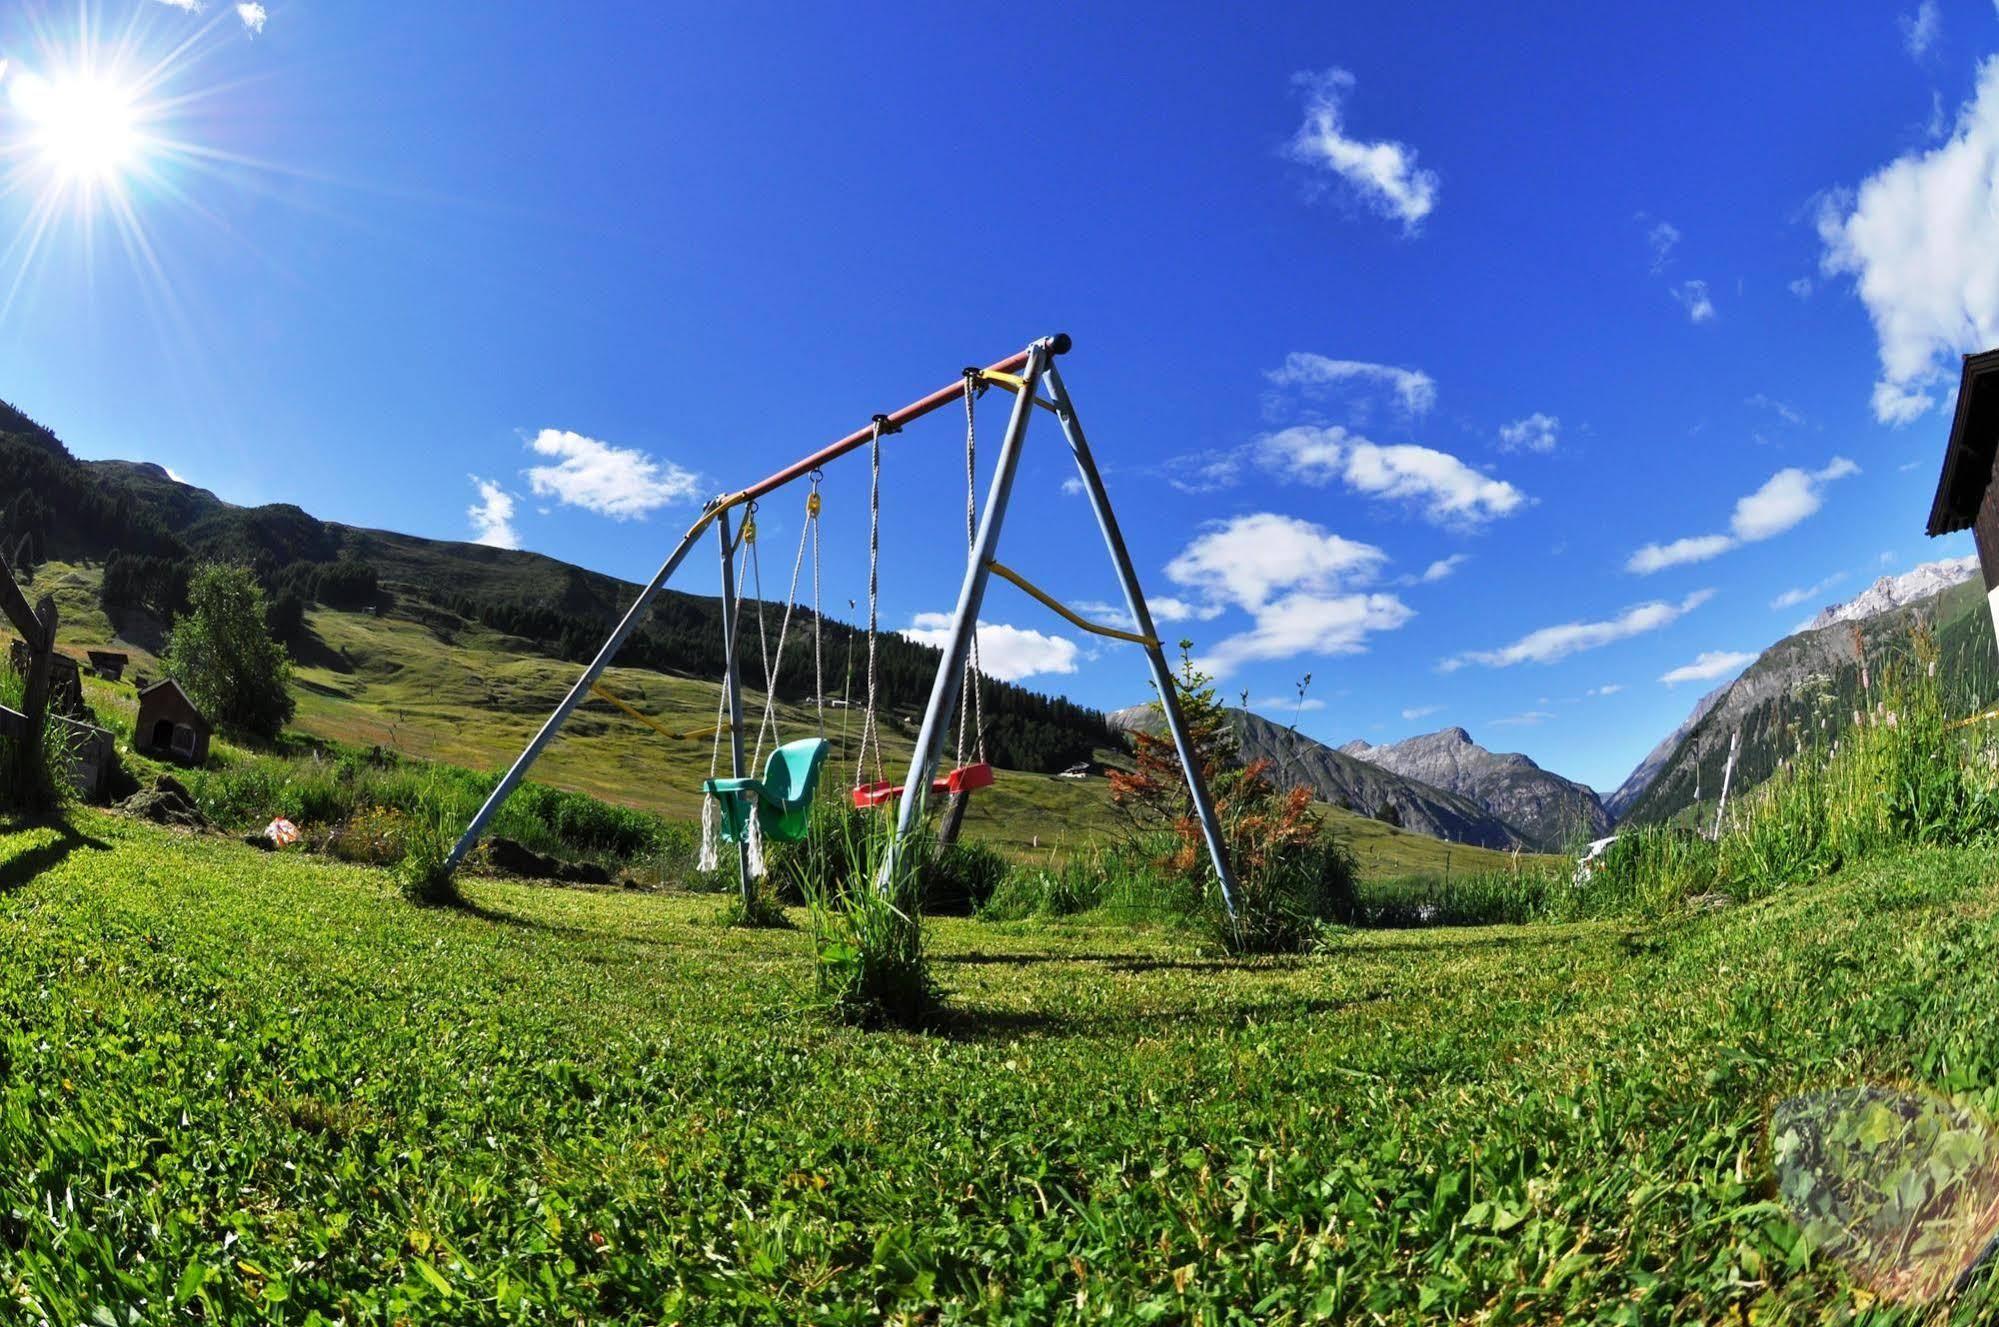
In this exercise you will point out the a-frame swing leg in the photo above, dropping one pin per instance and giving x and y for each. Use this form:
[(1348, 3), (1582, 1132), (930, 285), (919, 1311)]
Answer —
[(733, 686), (971, 595), (1155, 657), (964, 620)]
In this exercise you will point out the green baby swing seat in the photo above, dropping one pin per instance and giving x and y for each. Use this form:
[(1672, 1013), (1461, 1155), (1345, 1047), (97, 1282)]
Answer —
[(782, 798)]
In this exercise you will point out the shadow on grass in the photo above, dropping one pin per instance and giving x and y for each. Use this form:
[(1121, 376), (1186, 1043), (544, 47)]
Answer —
[(22, 868), (962, 1023), (1125, 962), (1515, 940)]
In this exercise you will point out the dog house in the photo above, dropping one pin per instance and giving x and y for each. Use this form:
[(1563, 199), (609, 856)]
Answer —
[(170, 727)]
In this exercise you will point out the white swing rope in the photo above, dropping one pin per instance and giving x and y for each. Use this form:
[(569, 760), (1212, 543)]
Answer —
[(709, 859), (969, 701), (870, 734)]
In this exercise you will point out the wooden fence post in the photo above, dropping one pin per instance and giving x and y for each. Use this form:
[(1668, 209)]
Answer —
[(38, 632)]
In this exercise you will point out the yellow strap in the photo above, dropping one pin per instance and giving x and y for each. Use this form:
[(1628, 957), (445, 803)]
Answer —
[(1014, 383), (600, 693), (1976, 718), (1116, 633)]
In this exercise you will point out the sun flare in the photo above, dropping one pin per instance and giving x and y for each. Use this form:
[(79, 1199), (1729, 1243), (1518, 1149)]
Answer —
[(82, 129)]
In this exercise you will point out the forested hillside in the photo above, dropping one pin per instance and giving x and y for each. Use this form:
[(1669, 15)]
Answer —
[(1807, 688), (149, 530)]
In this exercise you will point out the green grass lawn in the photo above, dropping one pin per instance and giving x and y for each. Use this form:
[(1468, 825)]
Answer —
[(242, 1088), (431, 685)]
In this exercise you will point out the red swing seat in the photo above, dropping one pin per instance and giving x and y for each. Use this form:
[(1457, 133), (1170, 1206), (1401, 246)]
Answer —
[(964, 779)]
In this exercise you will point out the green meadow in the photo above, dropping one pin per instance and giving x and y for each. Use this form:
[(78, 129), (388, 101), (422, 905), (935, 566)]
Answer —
[(242, 1088)]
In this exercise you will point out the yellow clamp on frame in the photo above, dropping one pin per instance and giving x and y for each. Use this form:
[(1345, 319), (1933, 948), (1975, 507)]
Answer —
[(597, 690), (1016, 384), (1116, 633), (812, 503), (1986, 717)]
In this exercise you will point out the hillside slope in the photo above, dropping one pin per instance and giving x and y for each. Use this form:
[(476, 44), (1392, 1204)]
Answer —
[(148, 529), (1807, 687), (1550, 810), (1640, 778), (1343, 780)]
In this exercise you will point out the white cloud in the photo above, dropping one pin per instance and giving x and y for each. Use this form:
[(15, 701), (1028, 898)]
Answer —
[(1919, 30), (185, 6), (1536, 433), (1297, 582), (1559, 642), (1661, 239), (1917, 239), (1415, 391), (1693, 297), (1204, 472), (1420, 711), (1442, 487), (1526, 720), (1071, 486), (1793, 597), (1383, 173), (1248, 559), (619, 482), (1802, 287), (1694, 548), (1710, 665), (1006, 652), (1309, 623), (1443, 567), (492, 516), (1289, 704), (1783, 410), (1607, 689), (1168, 609), (1786, 498), (253, 17)]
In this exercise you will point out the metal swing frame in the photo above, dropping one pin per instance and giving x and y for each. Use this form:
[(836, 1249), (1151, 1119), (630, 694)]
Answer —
[(1027, 375)]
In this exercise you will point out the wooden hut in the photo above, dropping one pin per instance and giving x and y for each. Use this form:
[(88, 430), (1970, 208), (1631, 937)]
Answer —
[(1966, 497), (170, 727), (108, 664)]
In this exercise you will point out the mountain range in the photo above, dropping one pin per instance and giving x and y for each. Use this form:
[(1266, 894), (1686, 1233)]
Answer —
[(1816, 679), (1550, 811)]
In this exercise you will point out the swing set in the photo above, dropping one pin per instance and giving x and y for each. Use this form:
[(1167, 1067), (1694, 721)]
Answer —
[(747, 810)]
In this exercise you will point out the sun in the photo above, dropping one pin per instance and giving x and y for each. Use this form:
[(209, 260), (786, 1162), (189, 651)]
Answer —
[(83, 129)]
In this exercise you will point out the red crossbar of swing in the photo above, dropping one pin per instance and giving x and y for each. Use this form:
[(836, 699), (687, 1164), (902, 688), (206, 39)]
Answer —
[(915, 410)]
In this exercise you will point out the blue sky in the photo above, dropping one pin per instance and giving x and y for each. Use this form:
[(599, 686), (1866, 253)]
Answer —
[(1490, 367)]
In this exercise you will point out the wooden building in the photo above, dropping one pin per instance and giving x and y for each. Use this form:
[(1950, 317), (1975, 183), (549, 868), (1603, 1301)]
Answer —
[(170, 727), (1966, 497), (108, 664)]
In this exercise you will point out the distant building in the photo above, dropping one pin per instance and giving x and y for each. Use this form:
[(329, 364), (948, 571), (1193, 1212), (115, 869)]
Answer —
[(1967, 497), (108, 664), (1079, 770), (170, 727)]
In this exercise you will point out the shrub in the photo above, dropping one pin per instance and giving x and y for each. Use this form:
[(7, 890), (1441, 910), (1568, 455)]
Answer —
[(1481, 898), (222, 652), (961, 878), (867, 927), (762, 910), (1293, 872), (430, 830), (373, 836)]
